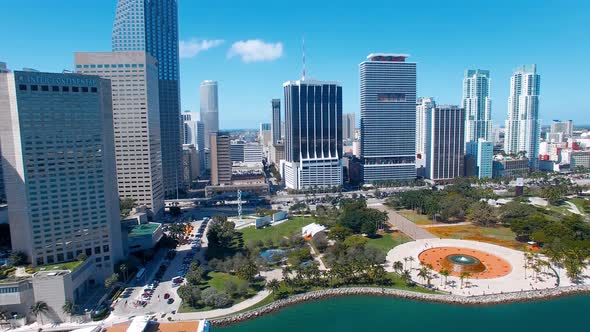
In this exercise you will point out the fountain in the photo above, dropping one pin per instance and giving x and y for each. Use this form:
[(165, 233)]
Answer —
[(463, 263)]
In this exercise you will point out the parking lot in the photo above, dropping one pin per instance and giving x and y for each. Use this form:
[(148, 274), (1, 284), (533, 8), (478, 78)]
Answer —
[(157, 295)]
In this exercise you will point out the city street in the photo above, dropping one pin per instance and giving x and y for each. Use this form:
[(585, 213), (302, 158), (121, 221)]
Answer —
[(125, 307)]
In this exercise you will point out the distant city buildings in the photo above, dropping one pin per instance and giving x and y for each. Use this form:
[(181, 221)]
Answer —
[(445, 134), (209, 109), (506, 166), (152, 26), (276, 121), (59, 168), (191, 164), (348, 126), (561, 131), (477, 105), (221, 165), (242, 152), (265, 134), (136, 122), (388, 117), (194, 134), (523, 126), (313, 134), (481, 155)]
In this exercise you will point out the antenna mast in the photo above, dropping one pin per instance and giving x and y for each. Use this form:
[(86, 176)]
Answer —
[(303, 77)]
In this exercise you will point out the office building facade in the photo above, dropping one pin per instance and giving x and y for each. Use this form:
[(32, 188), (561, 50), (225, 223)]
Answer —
[(348, 126), (221, 165), (152, 26), (313, 134), (523, 126), (209, 109), (276, 121), (445, 128), (423, 104), (481, 155), (388, 118), (560, 131), (136, 119), (59, 164), (194, 134)]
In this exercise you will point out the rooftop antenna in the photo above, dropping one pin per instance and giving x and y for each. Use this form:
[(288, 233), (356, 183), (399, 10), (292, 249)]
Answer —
[(303, 77)]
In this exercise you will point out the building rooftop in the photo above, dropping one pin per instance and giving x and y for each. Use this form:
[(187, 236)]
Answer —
[(388, 57), (143, 229), (60, 266)]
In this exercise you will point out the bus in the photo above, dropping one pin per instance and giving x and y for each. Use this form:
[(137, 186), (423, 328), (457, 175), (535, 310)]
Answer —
[(140, 274)]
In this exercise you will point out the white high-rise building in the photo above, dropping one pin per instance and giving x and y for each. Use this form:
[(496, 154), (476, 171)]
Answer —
[(445, 134), (560, 131), (477, 105), (194, 134), (136, 119), (59, 165), (523, 125), (209, 109), (423, 104)]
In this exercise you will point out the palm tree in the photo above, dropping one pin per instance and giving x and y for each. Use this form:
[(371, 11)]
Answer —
[(423, 273), (123, 269), (273, 285), (398, 266), (286, 274), (406, 259), (445, 273), (407, 277), (463, 276), (38, 309), (69, 307)]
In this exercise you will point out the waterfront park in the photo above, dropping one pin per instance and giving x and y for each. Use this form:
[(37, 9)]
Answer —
[(452, 243)]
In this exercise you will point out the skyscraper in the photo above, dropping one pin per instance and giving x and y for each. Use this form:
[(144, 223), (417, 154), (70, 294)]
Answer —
[(221, 165), (209, 109), (313, 134), (136, 119), (523, 126), (388, 117), (276, 120), (560, 131), (348, 126), (152, 26), (59, 163), (423, 104), (194, 133), (265, 134), (477, 105), (445, 130)]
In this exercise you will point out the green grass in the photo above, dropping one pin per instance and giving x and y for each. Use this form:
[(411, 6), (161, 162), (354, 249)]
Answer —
[(387, 241), (276, 233), (418, 219), (60, 266), (217, 280), (579, 202)]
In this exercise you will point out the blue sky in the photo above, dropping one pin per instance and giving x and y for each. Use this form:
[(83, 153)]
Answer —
[(252, 47)]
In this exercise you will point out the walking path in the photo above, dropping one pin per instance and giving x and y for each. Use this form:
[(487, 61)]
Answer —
[(404, 225), (222, 312), (574, 208)]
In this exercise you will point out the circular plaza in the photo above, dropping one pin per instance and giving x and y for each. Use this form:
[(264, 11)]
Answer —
[(474, 268)]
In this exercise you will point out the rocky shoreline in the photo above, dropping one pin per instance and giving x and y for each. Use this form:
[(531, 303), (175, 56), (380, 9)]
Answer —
[(524, 296)]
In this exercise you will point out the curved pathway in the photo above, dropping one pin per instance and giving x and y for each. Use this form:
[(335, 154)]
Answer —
[(222, 312)]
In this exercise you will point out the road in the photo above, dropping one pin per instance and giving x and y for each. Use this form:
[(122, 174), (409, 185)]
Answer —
[(125, 307), (404, 225)]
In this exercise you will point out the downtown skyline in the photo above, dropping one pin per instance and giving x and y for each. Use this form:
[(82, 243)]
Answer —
[(442, 51)]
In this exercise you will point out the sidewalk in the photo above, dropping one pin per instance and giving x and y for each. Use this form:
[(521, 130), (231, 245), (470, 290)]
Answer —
[(222, 312)]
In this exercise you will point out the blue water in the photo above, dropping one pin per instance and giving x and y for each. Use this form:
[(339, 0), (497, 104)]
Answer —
[(273, 255), (367, 314)]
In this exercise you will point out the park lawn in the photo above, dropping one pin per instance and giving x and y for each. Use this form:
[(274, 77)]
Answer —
[(387, 241), (579, 202), (499, 235), (276, 233), (418, 219), (217, 280)]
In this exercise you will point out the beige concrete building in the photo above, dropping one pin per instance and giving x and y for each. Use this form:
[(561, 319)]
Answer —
[(136, 119), (59, 166), (221, 165)]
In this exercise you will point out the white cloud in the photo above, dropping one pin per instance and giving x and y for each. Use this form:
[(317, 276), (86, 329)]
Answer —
[(190, 48), (256, 50)]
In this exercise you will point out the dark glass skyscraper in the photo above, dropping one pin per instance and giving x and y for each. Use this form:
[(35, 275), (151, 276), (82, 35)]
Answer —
[(388, 118), (313, 134), (152, 26), (276, 121)]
